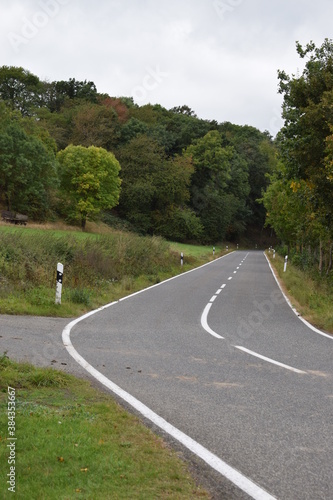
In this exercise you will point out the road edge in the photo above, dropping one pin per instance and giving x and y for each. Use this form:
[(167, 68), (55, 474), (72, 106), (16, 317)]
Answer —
[(309, 325), (234, 476)]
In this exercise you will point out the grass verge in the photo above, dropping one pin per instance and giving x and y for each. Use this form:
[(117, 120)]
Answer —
[(98, 268), (312, 299), (76, 442)]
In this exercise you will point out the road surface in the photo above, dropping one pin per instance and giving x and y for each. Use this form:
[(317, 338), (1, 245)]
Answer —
[(216, 359), (219, 355)]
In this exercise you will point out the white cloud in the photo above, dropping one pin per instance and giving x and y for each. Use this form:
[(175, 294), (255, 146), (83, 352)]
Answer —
[(221, 56)]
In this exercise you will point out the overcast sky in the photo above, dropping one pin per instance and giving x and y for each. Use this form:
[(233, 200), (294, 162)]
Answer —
[(220, 57)]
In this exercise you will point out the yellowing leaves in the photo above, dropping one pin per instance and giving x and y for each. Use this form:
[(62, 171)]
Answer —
[(295, 186)]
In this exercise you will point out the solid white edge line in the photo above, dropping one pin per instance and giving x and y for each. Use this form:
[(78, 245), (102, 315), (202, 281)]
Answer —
[(242, 482), (272, 361), (313, 328), (238, 479), (204, 323)]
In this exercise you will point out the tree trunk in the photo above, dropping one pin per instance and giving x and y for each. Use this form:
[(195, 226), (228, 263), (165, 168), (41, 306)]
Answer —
[(330, 259)]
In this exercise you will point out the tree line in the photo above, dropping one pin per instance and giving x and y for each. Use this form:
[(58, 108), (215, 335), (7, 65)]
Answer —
[(299, 198), (68, 151)]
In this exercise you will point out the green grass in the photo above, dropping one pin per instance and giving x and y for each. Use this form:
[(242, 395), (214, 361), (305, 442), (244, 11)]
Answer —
[(198, 251), (312, 299), (98, 268), (76, 442)]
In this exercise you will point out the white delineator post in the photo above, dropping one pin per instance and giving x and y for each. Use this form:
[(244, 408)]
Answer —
[(181, 258), (60, 273), (213, 250), (285, 263)]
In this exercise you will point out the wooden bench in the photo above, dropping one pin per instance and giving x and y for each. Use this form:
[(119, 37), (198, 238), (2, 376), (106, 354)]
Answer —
[(14, 217)]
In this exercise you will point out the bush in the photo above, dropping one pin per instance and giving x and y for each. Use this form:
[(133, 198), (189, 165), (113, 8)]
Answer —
[(80, 296), (29, 257)]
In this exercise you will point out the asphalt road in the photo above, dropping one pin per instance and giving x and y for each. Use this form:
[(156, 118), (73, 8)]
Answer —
[(188, 349)]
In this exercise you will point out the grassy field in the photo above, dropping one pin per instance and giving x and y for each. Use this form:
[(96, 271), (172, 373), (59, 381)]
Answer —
[(98, 267), (312, 299), (73, 441), (197, 251)]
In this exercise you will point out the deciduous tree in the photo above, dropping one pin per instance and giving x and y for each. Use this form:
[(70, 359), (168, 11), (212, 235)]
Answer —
[(27, 166), (89, 181)]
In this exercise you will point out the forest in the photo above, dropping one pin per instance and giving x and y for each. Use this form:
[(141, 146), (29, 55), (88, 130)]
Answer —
[(68, 151)]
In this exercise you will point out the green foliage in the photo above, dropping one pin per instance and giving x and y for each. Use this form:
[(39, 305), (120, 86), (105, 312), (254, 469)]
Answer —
[(308, 115), (219, 186), (156, 190), (259, 153), (80, 296), (180, 224), (97, 268), (24, 375), (313, 294), (164, 187), (299, 200), (89, 181), (27, 168), (19, 88), (95, 125), (29, 257), (142, 159)]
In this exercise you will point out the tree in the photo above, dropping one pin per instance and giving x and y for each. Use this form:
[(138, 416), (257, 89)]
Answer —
[(172, 217), (219, 186), (156, 190), (89, 181), (287, 207), (142, 159), (95, 125), (308, 116), (305, 153), (183, 110), (27, 166), (118, 105), (258, 151), (20, 89)]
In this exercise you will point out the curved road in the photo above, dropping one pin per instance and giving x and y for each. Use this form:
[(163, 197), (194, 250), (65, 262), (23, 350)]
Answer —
[(219, 355)]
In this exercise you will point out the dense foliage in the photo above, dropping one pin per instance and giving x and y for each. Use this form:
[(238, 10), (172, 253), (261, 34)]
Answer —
[(89, 181), (181, 177), (299, 200)]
